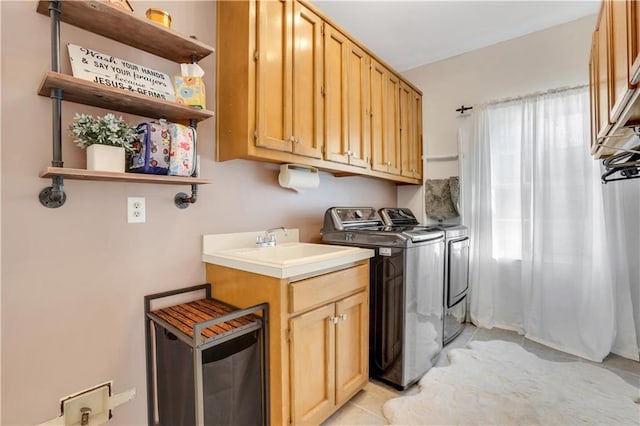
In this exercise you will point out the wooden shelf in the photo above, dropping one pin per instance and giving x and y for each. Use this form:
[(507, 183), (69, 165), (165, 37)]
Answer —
[(125, 27), (89, 93), (82, 174)]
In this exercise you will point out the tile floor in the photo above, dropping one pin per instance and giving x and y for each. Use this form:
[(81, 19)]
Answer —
[(366, 407)]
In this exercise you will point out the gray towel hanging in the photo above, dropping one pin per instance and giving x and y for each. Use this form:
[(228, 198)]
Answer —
[(441, 198)]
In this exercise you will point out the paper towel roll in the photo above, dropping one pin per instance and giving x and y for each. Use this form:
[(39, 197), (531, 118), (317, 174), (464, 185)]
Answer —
[(298, 177)]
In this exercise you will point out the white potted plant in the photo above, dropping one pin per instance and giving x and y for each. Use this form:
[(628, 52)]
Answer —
[(105, 138)]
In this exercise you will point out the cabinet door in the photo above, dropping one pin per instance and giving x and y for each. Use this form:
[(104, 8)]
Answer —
[(618, 50), (392, 123), (633, 32), (312, 365), (379, 148), (417, 134), (352, 345), (593, 92), (410, 132), (603, 72), (307, 103), (336, 48), (273, 75), (358, 106)]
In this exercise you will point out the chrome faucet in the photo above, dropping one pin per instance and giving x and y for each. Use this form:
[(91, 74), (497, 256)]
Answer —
[(269, 238)]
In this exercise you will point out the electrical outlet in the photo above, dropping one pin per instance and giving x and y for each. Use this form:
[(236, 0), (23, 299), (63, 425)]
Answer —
[(136, 212), (94, 403)]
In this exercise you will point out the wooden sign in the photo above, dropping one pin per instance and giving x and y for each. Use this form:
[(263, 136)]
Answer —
[(108, 70), (121, 4)]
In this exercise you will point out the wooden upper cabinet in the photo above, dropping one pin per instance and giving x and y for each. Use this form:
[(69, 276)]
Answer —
[(392, 123), (346, 100), (292, 87), (619, 86), (273, 75), (358, 106), (410, 132), (307, 82), (633, 40), (289, 78), (385, 119), (593, 91), (602, 43), (613, 76)]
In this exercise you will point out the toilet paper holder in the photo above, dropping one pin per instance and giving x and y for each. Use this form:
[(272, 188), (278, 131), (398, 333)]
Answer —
[(298, 177)]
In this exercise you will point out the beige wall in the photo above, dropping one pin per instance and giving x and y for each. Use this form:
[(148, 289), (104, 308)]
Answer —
[(73, 278), (556, 57)]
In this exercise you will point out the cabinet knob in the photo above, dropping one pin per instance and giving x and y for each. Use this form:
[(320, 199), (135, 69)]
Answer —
[(348, 153), (334, 319), (291, 139), (388, 163), (343, 317), (299, 140)]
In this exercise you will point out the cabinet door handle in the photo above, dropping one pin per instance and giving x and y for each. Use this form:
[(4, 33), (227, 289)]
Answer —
[(348, 153), (343, 317), (299, 140), (291, 139), (334, 319)]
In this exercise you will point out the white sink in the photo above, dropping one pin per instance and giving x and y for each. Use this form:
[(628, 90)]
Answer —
[(287, 259)]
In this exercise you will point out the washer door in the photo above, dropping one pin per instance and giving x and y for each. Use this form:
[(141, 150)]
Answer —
[(458, 273)]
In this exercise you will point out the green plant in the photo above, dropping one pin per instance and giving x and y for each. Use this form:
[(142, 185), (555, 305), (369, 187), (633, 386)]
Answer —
[(107, 130)]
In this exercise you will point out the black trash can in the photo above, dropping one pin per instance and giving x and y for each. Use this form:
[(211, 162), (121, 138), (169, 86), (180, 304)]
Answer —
[(231, 381)]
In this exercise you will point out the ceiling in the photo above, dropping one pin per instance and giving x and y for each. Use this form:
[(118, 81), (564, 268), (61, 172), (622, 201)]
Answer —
[(407, 34)]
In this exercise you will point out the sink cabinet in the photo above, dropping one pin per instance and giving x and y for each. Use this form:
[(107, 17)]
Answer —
[(318, 335), (328, 356)]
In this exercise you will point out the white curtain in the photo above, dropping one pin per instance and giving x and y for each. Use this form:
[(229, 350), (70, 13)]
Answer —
[(539, 260), (622, 217)]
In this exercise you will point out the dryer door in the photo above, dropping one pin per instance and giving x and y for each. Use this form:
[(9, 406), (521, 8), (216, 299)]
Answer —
[(458, 270)]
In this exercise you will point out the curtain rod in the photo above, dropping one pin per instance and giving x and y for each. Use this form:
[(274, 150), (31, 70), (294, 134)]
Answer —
[(463, 108)]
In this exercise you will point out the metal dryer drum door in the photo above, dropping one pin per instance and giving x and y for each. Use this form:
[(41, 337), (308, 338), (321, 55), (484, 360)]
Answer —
[(458, 272)]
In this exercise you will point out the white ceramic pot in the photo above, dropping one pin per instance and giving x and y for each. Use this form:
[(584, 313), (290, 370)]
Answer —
[(105, 158)]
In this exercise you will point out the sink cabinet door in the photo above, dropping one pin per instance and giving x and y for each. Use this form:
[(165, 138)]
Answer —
[(352, 345), (312, 365)]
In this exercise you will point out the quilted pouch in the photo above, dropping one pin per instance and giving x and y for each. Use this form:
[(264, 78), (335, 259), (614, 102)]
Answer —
[(152, 148), (183, 150)]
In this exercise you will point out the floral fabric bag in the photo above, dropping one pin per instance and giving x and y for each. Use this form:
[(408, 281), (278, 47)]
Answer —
[(182, 160), (152, 148)]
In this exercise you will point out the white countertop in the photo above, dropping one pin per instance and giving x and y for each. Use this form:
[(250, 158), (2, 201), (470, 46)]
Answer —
[(287, 259)]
